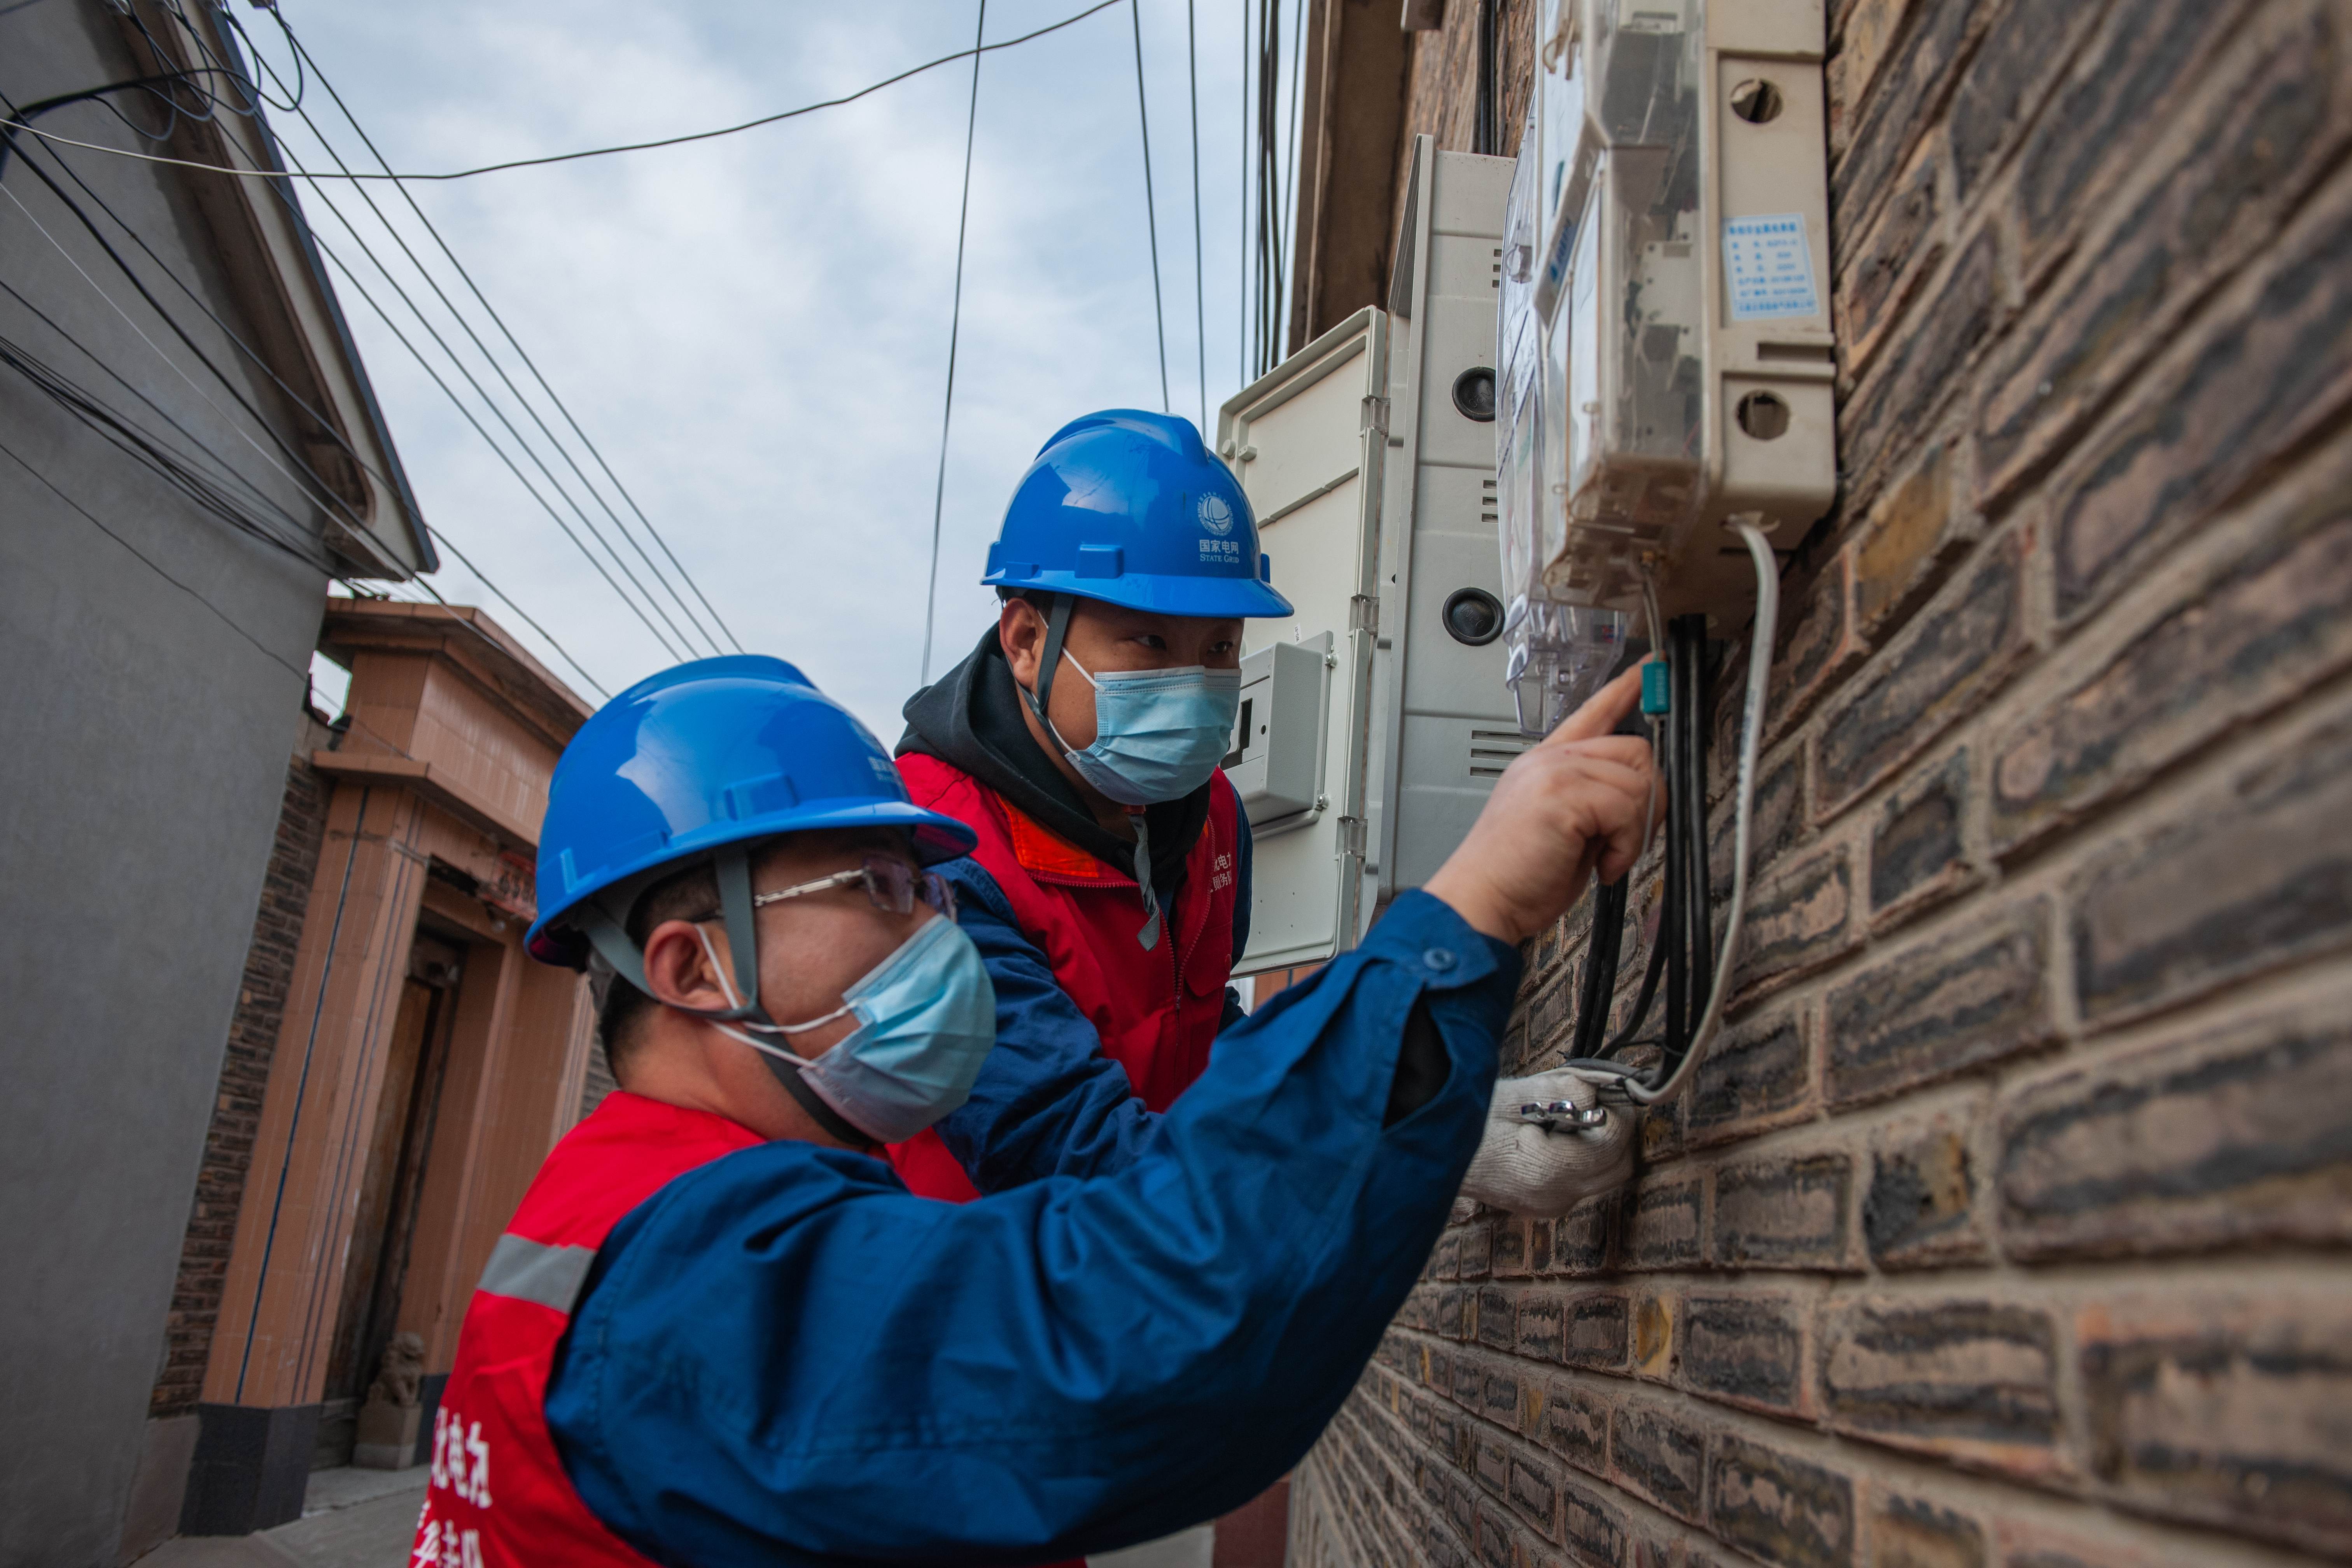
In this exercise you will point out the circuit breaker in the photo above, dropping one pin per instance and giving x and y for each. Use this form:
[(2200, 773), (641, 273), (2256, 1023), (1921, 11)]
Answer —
[(1308, 443), (1666, 362), (1277, 760)]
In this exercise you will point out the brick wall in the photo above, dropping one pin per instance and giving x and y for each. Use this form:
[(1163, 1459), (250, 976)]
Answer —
[(245, 1075), (2007, 1225)]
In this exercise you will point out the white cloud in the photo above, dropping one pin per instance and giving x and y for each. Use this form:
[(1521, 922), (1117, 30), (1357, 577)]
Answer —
[(755, 329)]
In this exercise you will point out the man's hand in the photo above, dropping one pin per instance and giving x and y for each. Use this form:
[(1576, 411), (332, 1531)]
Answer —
[(1530, 1169), (1565, 809)]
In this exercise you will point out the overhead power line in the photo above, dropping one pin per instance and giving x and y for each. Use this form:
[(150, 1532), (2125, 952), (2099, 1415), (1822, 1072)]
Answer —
[(143, 448), (1199, 284), (1150, 209), (595, 452), (955, 329), (294, 97), (591, 152), (489, 402)]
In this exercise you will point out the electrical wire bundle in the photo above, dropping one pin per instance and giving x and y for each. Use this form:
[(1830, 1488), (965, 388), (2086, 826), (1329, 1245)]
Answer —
[(1678, 698)]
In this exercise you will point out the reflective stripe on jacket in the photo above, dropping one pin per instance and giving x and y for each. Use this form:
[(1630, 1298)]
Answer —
[(498, 1496), (1156, 1010)]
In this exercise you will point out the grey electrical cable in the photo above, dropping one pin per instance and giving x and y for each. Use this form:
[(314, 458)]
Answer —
[(1751, 730), (591, 152), (1151, 206), (955, 330)]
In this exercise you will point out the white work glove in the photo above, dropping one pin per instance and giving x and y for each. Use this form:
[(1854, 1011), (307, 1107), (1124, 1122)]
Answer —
[(1530, 1169)]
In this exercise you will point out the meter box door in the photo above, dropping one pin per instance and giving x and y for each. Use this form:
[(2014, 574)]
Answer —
[(1307, 441), (1444, 725)]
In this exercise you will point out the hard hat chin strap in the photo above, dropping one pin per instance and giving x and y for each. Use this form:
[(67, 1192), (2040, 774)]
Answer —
[(1049, 659), (732, 864)]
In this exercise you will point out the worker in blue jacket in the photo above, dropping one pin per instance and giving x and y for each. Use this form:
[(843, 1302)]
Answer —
[(719, 1330)]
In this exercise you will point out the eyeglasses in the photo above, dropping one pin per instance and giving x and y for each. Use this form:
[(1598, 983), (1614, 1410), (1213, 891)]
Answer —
[(891, 884)]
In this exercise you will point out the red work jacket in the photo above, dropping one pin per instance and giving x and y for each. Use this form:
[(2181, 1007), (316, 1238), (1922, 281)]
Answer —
[(1157, 1009), (498, 1497)]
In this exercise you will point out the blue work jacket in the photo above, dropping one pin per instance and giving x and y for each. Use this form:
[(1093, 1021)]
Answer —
[(784, 1357)]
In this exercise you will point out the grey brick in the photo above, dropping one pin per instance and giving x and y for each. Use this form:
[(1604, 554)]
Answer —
[(1960, 1378), (2238, 883), (2234, 1136), (1953, 656), (1784, 1213), (1940, 1009), (1746, 1349), (1778, 1509), (1659, 1456), (2276, 367)]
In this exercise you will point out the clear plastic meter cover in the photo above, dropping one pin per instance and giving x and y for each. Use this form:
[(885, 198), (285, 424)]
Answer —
[(1632, 304), (1559, 649)]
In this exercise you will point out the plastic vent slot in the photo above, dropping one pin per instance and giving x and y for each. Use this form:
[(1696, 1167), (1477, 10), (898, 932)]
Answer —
[(1492, 751)]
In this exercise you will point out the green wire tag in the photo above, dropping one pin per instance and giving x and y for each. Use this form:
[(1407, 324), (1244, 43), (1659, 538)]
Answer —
[(1653, 688)]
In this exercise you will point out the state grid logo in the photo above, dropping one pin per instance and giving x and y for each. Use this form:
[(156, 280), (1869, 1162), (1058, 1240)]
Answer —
[(1215, 515)]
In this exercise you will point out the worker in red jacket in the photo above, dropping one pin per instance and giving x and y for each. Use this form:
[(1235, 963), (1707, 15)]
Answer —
[(1080, 742), (1109, 892)]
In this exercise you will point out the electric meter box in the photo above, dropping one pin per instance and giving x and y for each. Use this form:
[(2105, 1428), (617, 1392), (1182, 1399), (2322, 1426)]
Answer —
[(1369, 459), (1673, 363)]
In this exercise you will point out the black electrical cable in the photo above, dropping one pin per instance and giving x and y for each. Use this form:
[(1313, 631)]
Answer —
[(955, 334), (1603, 947), (1683, 952), (1269, 247), (228, 470), (1200, 283), (1482, 118), (326, 498), (1241, 211), (1291, 135), (683, 648), (1651, 972), (1150, 209), (302, 57), (624, 147)]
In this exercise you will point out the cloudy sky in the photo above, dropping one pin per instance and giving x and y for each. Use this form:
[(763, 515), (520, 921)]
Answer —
[(755, 330)]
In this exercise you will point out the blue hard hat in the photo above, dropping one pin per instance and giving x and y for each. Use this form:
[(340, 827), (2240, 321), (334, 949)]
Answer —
[(717, 752), (1131, 508)]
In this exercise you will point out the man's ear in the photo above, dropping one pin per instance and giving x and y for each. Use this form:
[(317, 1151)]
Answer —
[(1020, 631), (678, 970)]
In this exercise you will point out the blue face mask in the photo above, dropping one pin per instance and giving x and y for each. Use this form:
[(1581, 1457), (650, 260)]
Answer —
[(1159, 733), (926, 1019)]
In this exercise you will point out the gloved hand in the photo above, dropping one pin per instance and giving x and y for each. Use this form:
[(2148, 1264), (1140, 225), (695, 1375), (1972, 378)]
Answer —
[(1530, 1169)]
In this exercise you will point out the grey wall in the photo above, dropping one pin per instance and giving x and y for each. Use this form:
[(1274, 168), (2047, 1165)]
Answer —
[(145, 715)]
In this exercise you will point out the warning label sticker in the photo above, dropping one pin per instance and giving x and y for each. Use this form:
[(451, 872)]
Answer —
[(1770, 268)]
